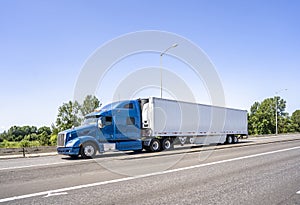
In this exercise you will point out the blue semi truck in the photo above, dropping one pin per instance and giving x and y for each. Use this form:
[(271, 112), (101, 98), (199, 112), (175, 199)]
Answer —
[(153, 124)]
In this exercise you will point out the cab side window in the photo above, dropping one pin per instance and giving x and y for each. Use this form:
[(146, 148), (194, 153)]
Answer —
[(130, 121), (128, 106), (108, 120)]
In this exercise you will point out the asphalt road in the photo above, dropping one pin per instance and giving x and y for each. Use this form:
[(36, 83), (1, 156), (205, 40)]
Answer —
[(264, 171)]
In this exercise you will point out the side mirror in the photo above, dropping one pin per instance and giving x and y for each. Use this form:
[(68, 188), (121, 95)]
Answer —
[(100, 122)]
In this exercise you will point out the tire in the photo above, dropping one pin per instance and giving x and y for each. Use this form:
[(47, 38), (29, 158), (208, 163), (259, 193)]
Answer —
[(229, 140), (191, 140), (155, 145), (167, 144), (88, 150), (235, 139)]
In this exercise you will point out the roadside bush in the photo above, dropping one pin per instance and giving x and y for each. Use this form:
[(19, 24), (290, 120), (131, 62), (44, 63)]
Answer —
[(44, 138), (8, 144), (53, 140), (27, 143), (23, 143)]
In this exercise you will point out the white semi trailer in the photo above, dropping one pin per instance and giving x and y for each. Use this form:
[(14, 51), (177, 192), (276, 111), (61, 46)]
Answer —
[(191, 123)]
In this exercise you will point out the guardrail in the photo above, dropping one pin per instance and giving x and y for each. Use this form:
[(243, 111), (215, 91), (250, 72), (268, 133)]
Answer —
[(26, 150)]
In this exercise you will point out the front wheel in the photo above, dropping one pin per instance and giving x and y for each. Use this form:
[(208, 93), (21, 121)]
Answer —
[(88, 150)]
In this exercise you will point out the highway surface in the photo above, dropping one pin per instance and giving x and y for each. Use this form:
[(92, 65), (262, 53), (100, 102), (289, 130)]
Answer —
[(255, 171)]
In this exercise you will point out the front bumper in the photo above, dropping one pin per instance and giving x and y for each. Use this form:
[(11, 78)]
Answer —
[(68, 150)]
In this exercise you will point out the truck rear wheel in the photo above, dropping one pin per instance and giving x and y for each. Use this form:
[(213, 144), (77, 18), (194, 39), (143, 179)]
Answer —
[(155, 145), (167, 144), (229, 139), (88, 150), (235, 139)]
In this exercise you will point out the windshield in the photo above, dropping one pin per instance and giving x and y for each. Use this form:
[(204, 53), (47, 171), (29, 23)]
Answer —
[(91, 120)]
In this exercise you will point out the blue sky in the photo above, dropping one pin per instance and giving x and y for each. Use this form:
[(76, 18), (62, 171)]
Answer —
[(254, 45)]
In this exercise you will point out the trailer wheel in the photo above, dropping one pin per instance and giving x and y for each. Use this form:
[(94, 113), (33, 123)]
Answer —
[(167, 144), (155, 145), (88, 150), (235, 139), (191, 140), (229, 139)]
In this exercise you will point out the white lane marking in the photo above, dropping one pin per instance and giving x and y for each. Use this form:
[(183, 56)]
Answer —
[(298, 192), (141, 176), (55, 194), (33, 165), (43, 165)]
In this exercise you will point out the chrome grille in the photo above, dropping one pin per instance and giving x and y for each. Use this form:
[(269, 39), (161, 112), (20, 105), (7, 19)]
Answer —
[(61, 140)]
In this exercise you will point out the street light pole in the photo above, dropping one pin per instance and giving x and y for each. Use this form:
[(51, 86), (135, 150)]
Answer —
[(276, 108), (276, 117), (160, 64)]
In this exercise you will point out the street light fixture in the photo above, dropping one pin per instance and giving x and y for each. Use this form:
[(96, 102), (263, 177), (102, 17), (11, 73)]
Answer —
[(276, 108), (161, 55)]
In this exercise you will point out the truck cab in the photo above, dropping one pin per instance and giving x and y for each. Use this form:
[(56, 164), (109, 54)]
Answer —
[(116, 125)]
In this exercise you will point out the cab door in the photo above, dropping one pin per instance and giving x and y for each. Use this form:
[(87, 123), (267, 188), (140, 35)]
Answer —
[(127, 122)]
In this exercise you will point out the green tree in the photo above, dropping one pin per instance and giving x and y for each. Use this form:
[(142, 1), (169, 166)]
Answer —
[(44, 129), (24, 143), (262, 117), (296, 120), (253, 119), (3, 136), (286, 125), (72, 113), (54, 129), (14, 133), (53, 139), (25, 136), (44, 138), (33, 137), (90, 103), (68, 115), (17, 133)]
